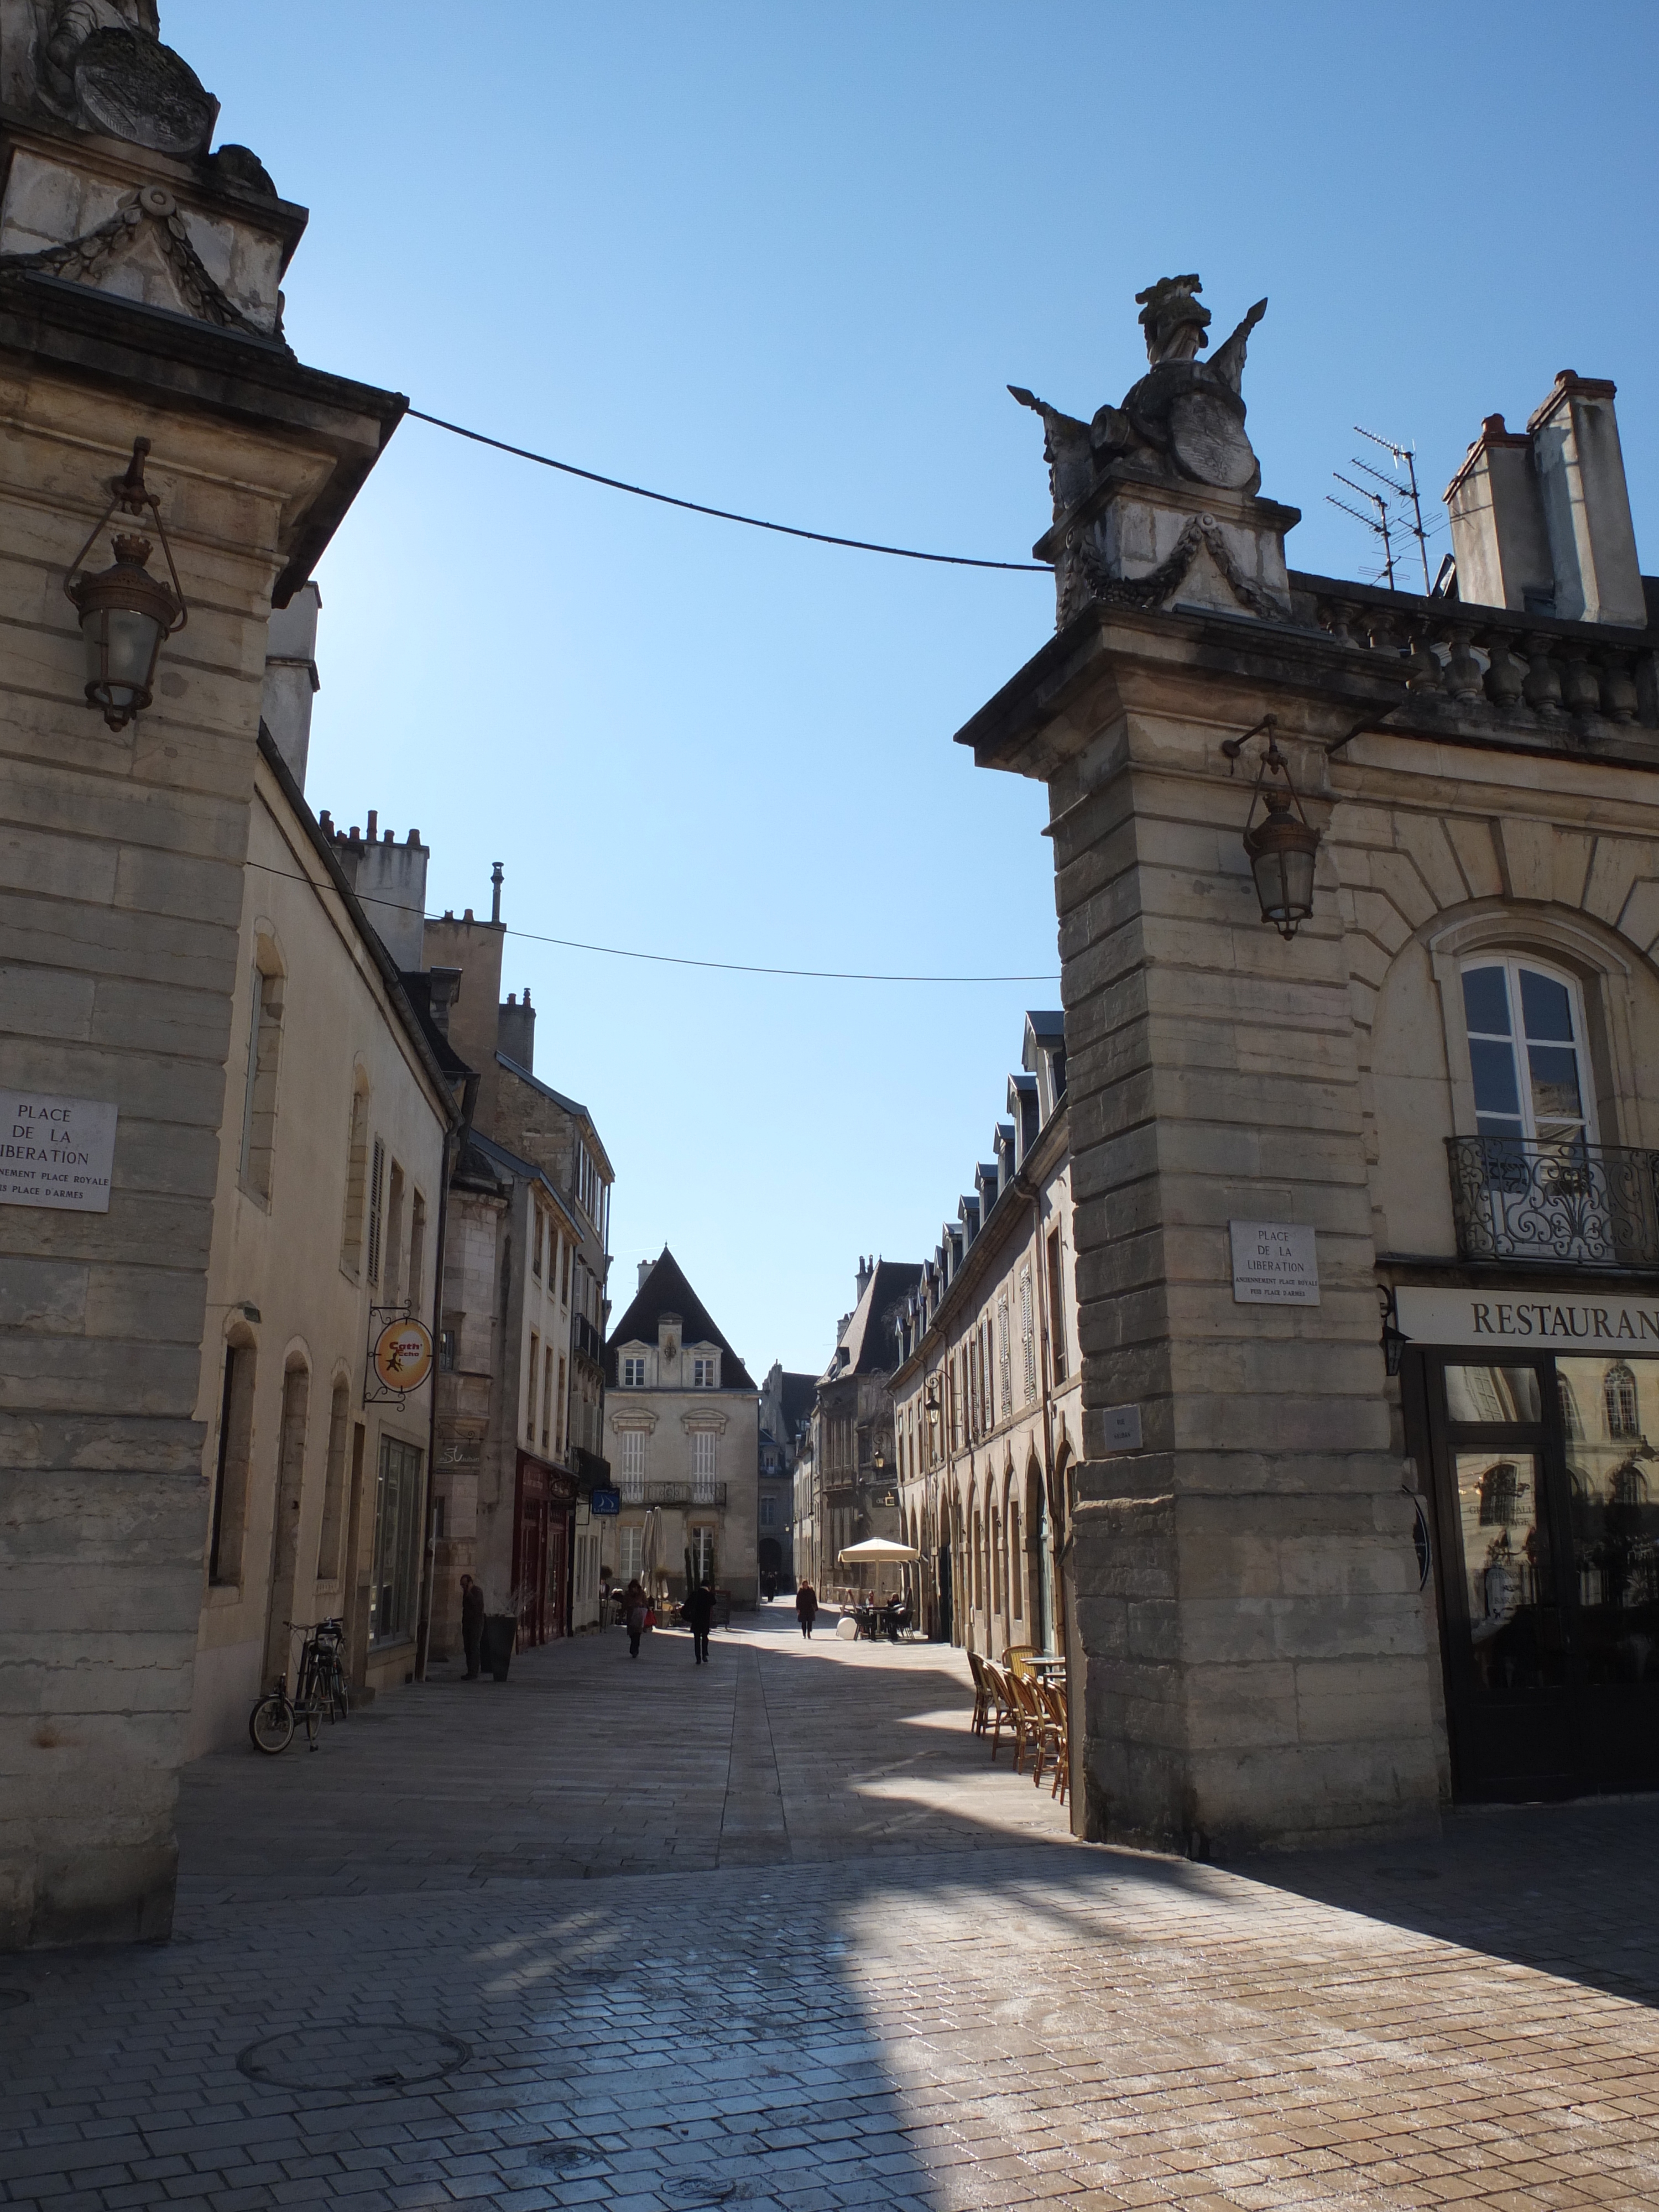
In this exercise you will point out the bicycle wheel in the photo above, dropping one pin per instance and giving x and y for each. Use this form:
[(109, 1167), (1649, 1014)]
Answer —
[(312, 1712), (339, 1698), (270, 1725)]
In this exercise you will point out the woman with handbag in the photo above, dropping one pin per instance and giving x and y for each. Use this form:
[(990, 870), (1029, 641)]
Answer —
[(634, 1612)]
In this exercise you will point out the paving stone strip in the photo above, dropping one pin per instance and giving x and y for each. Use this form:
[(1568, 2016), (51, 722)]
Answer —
[(774, 1932)]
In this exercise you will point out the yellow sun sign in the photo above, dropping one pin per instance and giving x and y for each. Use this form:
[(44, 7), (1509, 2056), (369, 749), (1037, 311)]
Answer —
[(403, 1355)]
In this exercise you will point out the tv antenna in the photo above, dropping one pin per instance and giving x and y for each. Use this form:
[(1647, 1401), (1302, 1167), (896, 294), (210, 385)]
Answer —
[(1396, 509)]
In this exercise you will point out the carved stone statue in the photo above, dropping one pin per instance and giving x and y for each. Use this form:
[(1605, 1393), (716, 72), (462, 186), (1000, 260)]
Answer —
[(1156, 501), (1184, 419), (102, 63)]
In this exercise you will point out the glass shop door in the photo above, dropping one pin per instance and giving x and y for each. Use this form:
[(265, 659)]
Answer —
[(1548, 1553)]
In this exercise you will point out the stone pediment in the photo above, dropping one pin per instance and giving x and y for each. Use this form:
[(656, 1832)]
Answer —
[(144, 251)]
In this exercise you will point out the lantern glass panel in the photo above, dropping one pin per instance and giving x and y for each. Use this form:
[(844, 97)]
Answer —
[(122, 644)]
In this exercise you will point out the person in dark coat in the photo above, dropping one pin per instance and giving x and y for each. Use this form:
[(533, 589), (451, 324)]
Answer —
[(473, 1617), (700, 1611), (634, 1610), (806, 1608)]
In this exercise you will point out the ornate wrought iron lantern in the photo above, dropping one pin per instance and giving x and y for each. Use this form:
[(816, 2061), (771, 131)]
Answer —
[(125, 612), (1282, 845)]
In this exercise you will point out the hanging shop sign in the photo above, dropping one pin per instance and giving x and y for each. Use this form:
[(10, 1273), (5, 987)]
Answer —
[(56, 1151), (1540, 1320), (1274, 1264), (604, 1501), (402, 1358)]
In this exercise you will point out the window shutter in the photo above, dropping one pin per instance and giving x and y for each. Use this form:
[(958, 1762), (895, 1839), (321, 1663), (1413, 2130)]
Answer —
[(376, 1186)]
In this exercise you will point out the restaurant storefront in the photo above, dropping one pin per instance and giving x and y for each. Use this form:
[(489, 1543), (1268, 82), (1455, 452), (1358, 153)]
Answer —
[(544, 1514), (1529, 1413)]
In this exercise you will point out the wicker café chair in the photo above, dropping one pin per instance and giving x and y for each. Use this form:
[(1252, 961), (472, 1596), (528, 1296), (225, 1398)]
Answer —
[(982, 1695), (1039, 1725), (1053, 1696), (1009, 1709), (1017, 1658)]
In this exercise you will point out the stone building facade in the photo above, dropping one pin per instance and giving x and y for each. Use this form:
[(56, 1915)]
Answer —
[(987, 1395), (1366, 1250), (854, 1474), (519, 1383), (139, 277), (785, 1413), (326, 1222), (683, 1428)]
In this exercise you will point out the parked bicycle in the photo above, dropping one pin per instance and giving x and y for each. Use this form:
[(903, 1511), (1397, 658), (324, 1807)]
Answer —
[(320, 1691)]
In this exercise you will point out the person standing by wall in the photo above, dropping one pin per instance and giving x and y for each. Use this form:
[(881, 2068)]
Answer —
[(806, 1608), (473, 1620)]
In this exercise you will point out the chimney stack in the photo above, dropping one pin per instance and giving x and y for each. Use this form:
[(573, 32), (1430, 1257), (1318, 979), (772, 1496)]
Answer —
[(515, 1032), (1541, 522)]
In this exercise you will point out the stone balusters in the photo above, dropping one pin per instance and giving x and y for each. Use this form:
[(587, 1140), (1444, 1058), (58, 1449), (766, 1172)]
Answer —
[(1466, 657)]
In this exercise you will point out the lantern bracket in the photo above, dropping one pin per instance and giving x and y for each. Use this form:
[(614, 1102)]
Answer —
[(134, 497)]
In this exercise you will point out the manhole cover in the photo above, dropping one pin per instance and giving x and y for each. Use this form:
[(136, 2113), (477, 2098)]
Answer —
[(691, 2190), (11, 1997), (570, 2160), (353, 2055)]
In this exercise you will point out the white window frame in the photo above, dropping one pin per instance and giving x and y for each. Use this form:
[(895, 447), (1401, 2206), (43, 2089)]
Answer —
[(1512, 963)]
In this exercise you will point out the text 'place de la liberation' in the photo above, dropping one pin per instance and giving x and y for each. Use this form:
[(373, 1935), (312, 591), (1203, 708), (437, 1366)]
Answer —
[(1249, 1498)]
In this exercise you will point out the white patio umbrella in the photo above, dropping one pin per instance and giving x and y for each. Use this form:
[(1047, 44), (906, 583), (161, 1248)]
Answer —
[(877, 1552)]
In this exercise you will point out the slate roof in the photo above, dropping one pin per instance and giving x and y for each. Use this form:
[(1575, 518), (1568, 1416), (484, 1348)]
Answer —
[(797, 1395), (666, 1289), (871, 1344)]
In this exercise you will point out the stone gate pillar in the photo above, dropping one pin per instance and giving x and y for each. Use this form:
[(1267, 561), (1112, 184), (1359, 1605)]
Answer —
[(1255, 1666), (138, 297)]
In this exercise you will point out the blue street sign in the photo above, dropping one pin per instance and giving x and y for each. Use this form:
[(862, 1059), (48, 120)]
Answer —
[(604, 1501)]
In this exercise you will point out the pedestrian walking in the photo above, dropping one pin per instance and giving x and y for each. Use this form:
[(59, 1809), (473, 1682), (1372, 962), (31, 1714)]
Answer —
[(700, 1611), (806, 1608), (633, 1609), (472, 1619)]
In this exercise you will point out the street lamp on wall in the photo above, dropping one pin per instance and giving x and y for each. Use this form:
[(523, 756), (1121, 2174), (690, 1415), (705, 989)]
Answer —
[(1281, 847), (125, 612)]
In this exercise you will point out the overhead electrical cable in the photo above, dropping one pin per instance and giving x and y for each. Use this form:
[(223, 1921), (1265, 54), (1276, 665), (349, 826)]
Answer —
[(670, 959), (725, 513)]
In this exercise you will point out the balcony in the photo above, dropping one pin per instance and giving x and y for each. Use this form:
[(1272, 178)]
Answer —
[(586, 1339), (699, 1493), (1589, 1206)]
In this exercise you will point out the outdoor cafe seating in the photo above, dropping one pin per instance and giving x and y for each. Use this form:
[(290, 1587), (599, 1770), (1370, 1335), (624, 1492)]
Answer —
[(1025, 1696)]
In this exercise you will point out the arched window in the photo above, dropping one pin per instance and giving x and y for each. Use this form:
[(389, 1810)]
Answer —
[(1526, 1032), (1497, 1495), (1629, 1486), (1571, 1427), (1619, 1396)]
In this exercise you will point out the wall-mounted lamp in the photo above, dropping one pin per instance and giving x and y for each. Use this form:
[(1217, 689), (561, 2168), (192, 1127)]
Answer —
[(1282, 845), (125, 612), (1394, 1339)]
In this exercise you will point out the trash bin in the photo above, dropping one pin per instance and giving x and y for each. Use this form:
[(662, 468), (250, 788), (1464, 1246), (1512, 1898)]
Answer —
[(500, 1631), (848, 1629)]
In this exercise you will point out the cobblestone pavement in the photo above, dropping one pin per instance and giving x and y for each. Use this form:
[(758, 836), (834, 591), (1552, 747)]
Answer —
[(774, 1933)]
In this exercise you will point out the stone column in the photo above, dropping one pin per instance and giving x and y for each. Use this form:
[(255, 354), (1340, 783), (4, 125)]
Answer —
[(121, 868), (1246, 1594)]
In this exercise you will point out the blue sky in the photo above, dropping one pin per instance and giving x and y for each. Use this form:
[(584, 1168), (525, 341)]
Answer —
[(786, 258)]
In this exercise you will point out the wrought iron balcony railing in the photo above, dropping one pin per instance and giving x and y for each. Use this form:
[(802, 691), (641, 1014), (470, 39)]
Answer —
[(1593, 1205), (698, 1491)]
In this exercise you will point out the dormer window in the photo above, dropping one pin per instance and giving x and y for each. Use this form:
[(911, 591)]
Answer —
[(705, 1372), (633, 1371)]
